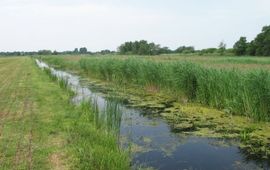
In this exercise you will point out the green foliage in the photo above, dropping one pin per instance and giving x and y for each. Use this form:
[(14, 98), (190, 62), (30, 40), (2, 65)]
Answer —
[(60, 62), (185, 50), (251, 49), (55, 52), (92, 134), (76, 51), (49, 73), (93, 146), (63, 83), (186, 79), (208, 51), (44, 52), (262, 42), (43, 127), (260, 46), (243, 93), (222, 48), (83, 50), (141, 48), (240, 47)]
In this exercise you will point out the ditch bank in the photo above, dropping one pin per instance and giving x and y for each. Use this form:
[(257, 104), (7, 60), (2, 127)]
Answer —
[(164, 134)]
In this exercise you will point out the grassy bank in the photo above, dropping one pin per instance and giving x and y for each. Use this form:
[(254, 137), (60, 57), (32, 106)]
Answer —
[(238, 92), (41, 129), (148, 84)]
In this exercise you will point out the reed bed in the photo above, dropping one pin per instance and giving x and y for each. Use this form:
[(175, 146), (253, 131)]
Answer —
[(243, 93)]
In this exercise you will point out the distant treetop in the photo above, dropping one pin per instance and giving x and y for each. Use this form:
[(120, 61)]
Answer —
[(260, 46)]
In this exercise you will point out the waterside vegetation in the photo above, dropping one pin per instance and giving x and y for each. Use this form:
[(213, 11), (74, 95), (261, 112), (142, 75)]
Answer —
[(242, 92), (201, 99), (42, 129)]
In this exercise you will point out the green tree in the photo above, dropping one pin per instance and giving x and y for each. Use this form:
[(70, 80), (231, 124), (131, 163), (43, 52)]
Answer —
[(251, 49), (222, 48), (165, 50), (184, 49), (76, 51), (141, 48), (240, 47), (125, 48), (83, 50), (55, 52), (154, 49), (208, 51), (262, 42), (44, 52), (144, 48)]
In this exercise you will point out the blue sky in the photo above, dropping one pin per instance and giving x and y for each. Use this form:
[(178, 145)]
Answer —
[(105, 24)]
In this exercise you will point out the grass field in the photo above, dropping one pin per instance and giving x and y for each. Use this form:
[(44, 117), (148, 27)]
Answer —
[(41, 129)]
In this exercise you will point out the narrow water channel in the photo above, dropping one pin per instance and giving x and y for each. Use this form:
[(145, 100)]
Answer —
[(152, 142)]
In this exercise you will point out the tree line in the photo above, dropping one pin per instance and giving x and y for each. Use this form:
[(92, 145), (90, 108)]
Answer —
[(260, 46), (82, 50), (142, 47)]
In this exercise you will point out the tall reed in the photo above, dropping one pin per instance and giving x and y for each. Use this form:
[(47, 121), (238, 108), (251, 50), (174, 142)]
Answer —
[(243, 93)]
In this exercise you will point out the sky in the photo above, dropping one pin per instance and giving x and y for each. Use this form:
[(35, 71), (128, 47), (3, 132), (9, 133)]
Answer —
[(30, 25)]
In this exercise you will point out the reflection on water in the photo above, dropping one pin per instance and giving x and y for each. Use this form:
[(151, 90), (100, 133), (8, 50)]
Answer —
[(150, 139)]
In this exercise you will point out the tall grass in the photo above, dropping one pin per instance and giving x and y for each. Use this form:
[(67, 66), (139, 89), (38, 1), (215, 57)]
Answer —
[(63, 82), (113, 116), (50, 74), (60, 62), (95, 145), (107, 118), (93, 134), (243, 93)]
